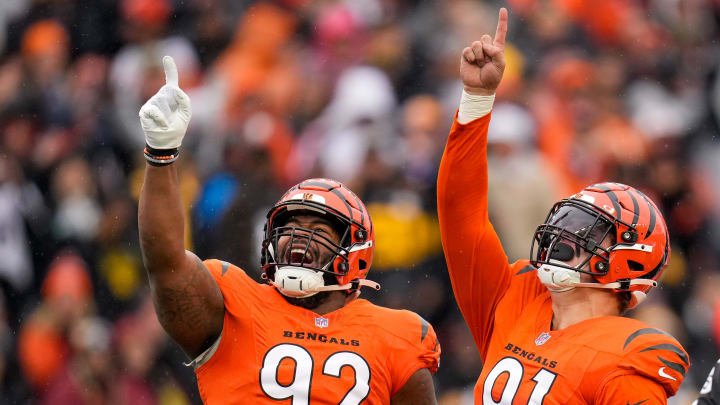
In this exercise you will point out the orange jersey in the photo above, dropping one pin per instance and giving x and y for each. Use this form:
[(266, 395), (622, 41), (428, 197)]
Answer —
[(604, 360), (273, 352)]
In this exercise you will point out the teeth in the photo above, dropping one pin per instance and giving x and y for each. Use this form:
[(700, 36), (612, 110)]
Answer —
[(301, 251)]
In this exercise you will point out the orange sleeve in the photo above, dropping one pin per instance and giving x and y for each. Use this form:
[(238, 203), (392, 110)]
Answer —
[(478, 267), (415, 348), (631, 389)]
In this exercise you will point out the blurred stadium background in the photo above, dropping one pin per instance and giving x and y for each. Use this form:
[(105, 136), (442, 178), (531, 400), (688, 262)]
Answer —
[(359, 90)]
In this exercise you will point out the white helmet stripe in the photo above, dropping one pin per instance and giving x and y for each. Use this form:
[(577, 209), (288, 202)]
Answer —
[(637, 246), (365, 245)]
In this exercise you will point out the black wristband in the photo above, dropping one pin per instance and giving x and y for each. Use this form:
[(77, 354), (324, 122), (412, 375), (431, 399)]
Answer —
[(160, 157)]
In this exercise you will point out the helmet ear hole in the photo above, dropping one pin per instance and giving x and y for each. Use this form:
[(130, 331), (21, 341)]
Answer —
[(362, 264), (635, 266)]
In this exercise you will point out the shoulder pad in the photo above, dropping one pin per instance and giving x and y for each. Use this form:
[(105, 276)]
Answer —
[(656, 355), (234, 283), (427, 333), (406, 325), (218, 267)]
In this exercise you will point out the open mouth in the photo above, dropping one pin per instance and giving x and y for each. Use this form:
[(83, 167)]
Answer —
[(299, 256)]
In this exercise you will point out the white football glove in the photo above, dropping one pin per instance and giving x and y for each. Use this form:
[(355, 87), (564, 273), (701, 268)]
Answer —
[(165, 117)]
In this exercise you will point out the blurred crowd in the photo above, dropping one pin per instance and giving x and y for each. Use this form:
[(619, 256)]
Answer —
[(363, 91)]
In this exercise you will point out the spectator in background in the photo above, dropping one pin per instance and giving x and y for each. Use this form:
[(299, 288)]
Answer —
[(78, 212), (86, 377), (355, 123), (19, 199), (46, 53), (516, 168), (421, 127), (133, 382), (43, 346)]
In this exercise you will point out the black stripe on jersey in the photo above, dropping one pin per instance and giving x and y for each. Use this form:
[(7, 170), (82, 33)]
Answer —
[(669, 347), (525, 269), (651, 225), (425, 328), (225, 267), (675, 366), (636, 208), (613, 198), (644, 331)]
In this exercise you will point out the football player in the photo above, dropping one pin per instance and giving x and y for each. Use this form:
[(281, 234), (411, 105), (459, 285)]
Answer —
[(710, 391), (549, 329), (304, 336)]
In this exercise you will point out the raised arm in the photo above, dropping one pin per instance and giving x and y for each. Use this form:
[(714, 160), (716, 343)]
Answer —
[(418, 390), (187, 299), (478, 267)]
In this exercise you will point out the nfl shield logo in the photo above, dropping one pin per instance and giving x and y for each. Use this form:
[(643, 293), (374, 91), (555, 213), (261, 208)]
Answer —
[(321, 322), (540, 340)]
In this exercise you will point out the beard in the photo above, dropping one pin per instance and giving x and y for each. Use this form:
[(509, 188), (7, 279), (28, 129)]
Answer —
[(311, 302)]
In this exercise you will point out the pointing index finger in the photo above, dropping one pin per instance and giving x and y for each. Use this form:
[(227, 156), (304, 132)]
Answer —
[(501, 30), (171, 73)]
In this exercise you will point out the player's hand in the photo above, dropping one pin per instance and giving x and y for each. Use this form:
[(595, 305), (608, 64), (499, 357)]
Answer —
[(482, 63), (165, 117)]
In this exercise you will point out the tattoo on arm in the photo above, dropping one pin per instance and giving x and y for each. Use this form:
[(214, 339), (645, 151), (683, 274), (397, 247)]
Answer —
[(186, 311)]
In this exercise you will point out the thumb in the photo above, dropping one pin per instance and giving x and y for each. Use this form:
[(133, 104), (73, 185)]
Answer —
[(171, 73), (493, 51)]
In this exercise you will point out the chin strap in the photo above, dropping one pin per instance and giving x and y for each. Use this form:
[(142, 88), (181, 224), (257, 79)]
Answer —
[(617, 284), (355, 285), (559, 279), (638, 296), (306, 283)]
